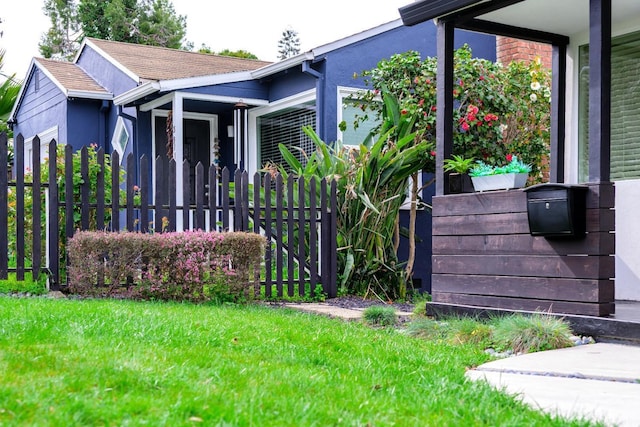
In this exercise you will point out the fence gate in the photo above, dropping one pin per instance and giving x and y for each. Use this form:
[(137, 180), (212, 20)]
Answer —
[(297, 218)]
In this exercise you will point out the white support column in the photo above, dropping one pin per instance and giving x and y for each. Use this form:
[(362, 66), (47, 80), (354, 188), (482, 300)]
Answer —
[(240, 135), (178, 152)]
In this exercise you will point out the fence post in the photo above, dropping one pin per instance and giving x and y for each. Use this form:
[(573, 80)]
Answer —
[(313, 236), (115, 191), (333, 242), (4, 211), (129, 190), (200, 190), (267, 232), (144, 194), (53, 240), (100, 190)]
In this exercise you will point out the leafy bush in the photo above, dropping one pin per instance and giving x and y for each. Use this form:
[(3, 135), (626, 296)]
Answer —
[(194, 266), (379, 315)]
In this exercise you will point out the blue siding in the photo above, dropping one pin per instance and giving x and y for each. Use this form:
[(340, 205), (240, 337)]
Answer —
[(43, 109), (105, 72), (290, 83), (84, 123), (247, 89)]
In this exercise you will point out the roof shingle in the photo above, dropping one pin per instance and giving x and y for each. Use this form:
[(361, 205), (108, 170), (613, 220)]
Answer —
[(159, 63), (70, 76)]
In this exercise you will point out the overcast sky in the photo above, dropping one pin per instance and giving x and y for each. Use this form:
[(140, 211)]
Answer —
[(252, 25)]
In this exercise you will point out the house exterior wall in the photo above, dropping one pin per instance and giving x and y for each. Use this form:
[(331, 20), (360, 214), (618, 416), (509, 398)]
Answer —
[(509, 49), (42, 109), (83, 121)]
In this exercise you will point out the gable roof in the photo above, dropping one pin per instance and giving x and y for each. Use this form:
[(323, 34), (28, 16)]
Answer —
[(152, 63), (71, 79)]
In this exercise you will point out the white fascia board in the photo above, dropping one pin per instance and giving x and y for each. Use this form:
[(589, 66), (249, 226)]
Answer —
[(89, 94), (151, 105), (355, 38), (214, 79), (224, 99), (109, 58), (23, 88), (137, 93), (274, 68)]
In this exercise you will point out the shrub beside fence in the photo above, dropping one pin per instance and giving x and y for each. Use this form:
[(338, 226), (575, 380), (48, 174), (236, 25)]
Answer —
[(297, 219)]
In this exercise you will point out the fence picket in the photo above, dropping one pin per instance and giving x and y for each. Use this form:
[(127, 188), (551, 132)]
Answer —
[(144, 194), (301, 255), (199, 217), (84, 189), (267, 231), (130, 179), (4, 206), (290, 236), (237, 200), (115, 191), (225, 199), (213, 197), (100, 199), (53, 238), (68, 194), (158, 211), (36, 226), (186, 194), (19, 158), (313, 237), (173, 214), (279, 236)]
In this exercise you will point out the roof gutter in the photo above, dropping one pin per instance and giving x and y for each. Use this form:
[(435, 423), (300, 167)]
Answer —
[(320, 83), (137, 93)]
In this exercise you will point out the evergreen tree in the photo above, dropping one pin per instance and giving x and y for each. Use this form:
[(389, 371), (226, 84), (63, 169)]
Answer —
[(149, 22), (289, 44)]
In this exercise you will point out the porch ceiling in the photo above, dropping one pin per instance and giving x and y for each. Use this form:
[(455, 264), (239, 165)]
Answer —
[(566, 17), (562, 17)]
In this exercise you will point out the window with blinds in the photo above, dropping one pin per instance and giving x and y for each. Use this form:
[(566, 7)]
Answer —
[(625, 105), (351, 109), (285, 127)]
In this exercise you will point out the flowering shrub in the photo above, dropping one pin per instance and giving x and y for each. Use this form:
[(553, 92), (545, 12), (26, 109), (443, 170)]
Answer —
[(498, 109), (193, 266)]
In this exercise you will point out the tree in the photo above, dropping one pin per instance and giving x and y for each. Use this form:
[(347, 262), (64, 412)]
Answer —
[(148, 22), (9, 90), (61, 40), (237, 54), (289, 44)]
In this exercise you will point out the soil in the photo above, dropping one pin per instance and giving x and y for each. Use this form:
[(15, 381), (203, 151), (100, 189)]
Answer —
[(359, 302)]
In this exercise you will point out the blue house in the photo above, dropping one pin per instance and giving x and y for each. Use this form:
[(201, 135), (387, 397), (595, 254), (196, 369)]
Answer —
[(211, 109)]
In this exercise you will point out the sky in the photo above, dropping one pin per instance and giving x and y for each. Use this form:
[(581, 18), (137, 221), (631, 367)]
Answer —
[(251, 25)]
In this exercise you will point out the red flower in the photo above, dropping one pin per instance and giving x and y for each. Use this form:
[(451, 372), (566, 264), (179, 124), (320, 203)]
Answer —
[(421, 102), (509, 157), (434, 108), (465, 126), (403, 112), (481, 78), (433, 153)]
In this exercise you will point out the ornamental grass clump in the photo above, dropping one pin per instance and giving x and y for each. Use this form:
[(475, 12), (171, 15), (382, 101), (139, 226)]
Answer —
[(514, 165), (378, 315), (528, 334)]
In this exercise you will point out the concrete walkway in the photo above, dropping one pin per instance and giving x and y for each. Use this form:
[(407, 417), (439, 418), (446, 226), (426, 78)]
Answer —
[(599, 382)]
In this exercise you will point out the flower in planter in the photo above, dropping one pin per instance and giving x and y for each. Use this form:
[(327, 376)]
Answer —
[(514, 165)]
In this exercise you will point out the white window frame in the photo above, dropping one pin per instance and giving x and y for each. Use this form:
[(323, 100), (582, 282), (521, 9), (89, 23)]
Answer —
[(255, 113), (45, 138), (119, 130)]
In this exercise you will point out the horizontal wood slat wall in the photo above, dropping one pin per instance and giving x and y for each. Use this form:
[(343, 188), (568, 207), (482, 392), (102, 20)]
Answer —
[(484, 255)]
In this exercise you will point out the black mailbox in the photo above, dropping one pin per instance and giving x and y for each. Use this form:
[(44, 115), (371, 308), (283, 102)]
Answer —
[(557, 210)]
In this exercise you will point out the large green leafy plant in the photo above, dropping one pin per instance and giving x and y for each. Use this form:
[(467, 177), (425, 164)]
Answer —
[(499, 110), (372, 182)]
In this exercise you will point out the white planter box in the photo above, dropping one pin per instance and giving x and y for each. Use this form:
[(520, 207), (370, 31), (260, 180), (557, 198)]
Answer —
[(499, 182)]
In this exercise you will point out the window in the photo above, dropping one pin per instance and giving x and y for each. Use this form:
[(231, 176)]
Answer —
[(349, 107), (285, 127), (625, 104), (120, 138), (45, 138)]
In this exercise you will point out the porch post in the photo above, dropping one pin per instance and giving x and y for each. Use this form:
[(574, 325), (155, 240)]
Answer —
[(178, 153), (240, 135), (600, 91), (558, 111), (444, 114)]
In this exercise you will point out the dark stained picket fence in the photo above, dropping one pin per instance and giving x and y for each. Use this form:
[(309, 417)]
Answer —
[(298, 219)]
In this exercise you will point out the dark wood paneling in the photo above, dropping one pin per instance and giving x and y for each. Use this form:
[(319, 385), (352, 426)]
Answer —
[(523, 244), (480, 203), (588, 309), (577, 290), (510, 223), (585, 267)]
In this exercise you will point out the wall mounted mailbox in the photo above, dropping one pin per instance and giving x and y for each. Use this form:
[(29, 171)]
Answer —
[(557, 210)]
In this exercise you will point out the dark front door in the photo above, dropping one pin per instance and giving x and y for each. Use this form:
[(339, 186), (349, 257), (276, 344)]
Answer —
[(196, 134)]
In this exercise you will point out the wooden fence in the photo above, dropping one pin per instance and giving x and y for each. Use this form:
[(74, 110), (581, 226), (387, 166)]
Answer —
[(298, 219)]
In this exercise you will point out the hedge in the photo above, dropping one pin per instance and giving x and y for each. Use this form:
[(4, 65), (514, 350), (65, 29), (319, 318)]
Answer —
[(191, 265)]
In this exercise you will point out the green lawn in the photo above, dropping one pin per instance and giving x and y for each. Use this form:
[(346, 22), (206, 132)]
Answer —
[(115, 363)]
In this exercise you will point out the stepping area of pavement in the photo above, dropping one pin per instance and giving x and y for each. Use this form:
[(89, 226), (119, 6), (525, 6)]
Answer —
[(335, 311)]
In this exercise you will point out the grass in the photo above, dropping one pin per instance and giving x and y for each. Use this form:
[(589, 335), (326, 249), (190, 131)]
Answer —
[(35, 287), (521, 334), (378, 315), (106, 362)]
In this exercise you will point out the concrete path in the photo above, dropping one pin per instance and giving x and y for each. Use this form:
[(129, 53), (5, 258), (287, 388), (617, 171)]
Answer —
[(599, 381), (334, 311)]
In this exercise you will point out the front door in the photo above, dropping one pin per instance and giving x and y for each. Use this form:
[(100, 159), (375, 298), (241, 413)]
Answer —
[(197, 148)]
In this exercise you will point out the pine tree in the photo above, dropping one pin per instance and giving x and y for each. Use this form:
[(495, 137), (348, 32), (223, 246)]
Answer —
[(289, 44)]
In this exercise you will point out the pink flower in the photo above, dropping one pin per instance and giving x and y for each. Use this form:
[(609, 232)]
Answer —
[(509, 157), (465, 126)]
